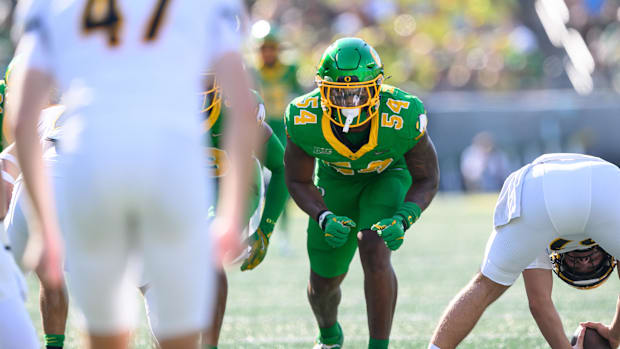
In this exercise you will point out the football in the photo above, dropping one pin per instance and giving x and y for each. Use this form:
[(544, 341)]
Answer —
[(591, 340)]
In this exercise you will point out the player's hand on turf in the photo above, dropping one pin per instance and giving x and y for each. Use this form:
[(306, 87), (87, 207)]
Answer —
[(258, 243), (604, 331), (580, 338), (392, 232), (337, 229)]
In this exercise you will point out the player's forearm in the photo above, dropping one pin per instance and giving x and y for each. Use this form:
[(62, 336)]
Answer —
[(236, 86), (465, 310), (538, 287), (422, 192), (299, 170), (307, 197), (31, 96), (277, 194), (34, 172), (550, 325)]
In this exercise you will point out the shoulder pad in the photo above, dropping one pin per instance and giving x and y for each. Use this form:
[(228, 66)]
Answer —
[(303, 110), (409, 107)]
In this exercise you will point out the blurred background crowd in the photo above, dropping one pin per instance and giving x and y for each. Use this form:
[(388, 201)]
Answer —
[(448, 45), (502, 80)]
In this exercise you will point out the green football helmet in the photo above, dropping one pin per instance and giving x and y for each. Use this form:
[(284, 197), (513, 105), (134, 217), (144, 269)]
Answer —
[(349, 77), (212, 102)]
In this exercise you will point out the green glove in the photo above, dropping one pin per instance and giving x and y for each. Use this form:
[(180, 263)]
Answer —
[(336, 229), (258, 242), (392, 232)]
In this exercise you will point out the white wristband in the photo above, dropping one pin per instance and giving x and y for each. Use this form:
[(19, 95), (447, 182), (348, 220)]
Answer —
[(433, 346), (322, 218), (7, 177)]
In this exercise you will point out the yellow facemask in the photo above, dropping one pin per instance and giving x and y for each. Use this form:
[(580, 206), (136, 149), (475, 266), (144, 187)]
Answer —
[(345, 101)]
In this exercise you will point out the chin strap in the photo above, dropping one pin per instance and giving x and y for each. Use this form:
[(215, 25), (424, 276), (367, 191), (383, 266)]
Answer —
[(350, 114), (347, 123)]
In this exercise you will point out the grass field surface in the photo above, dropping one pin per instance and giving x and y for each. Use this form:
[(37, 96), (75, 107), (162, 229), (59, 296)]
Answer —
[(267, 307)]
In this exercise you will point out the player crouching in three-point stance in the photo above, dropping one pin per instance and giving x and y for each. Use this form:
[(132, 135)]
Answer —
[(377, 171), (566, 206)]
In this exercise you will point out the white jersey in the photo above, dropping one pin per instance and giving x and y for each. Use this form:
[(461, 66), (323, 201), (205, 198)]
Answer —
[(50, 123), (129, 73), (49, 128), (129, 59)]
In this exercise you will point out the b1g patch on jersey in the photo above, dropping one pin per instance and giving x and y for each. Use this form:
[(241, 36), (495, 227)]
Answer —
[(319, 150)]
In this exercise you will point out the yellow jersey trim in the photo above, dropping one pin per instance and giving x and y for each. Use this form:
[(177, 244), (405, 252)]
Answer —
[(341, 148)]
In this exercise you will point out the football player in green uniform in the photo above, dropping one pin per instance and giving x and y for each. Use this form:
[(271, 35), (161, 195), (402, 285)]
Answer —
[(377, 171), (260, 219)]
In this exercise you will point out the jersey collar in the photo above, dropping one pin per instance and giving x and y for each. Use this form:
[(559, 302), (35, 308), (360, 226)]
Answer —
[(343, 149)]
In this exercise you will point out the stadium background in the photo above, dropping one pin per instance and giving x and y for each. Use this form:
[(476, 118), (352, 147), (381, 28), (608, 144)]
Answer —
[(503, 81)]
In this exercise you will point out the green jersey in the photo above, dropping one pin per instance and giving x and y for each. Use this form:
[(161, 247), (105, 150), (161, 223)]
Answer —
[(217, 158), (397, 128), (213, 130), (275, 194)]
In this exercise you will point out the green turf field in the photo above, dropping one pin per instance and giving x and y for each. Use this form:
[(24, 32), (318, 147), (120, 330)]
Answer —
[(267, 307)]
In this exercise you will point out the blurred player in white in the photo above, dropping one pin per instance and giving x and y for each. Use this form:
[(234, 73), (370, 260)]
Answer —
[(129, 73), (561, 206), (53, 301), (16, 330)]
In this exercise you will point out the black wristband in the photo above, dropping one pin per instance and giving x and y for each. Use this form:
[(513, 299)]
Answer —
[(319, 215), (403, 221), (322, 218)]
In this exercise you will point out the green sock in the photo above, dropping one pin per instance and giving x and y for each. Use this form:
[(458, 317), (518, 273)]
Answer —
[(378, 343), (331, 335), (54, 340), (208, 346)]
